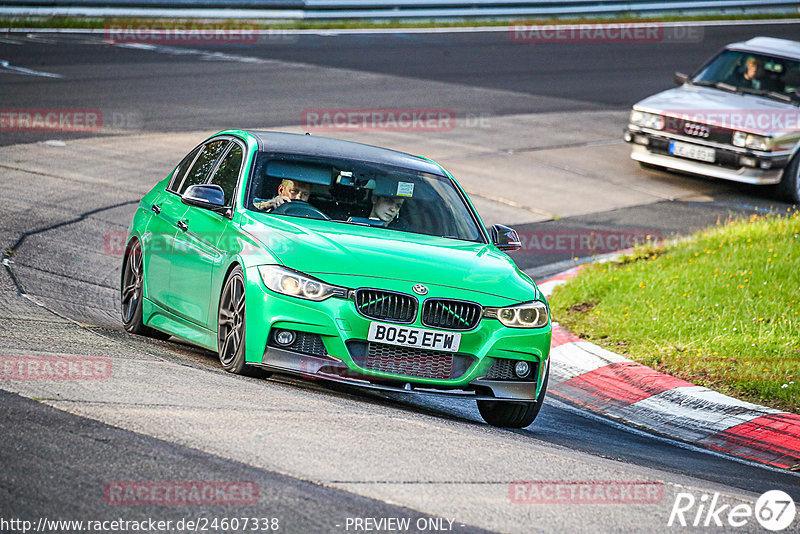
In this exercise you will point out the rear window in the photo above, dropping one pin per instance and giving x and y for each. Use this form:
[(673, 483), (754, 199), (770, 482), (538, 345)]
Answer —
[(227, 174), (180, 170), (203, 165)]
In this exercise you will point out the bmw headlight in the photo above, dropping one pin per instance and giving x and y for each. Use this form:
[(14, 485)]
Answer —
[(288, 282), (756, 142), (647, 120), (528, 315)]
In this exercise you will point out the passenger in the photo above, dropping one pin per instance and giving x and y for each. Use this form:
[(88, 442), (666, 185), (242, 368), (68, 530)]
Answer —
[(385, 208), (288, 190)]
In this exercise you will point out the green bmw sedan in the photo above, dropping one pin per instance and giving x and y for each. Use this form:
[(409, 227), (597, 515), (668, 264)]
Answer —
[(338, 261)]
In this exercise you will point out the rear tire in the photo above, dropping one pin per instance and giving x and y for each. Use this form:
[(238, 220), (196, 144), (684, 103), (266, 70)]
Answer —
[(508, 414), (789, 187), (132, 293)]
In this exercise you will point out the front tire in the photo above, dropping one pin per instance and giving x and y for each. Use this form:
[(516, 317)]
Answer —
[(508, 414), (231, 323), (789, 188), (131, 293), (231, 327)]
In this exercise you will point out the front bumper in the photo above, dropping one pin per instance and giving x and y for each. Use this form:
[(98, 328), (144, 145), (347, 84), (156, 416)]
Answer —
[(652, 147), (332, 370), (335, 348)]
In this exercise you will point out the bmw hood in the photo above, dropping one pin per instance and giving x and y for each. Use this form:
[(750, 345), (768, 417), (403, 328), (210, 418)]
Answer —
[(745, 112), (357, 256)]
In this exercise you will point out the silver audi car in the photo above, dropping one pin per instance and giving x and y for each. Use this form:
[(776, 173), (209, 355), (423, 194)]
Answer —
[(736, 118)]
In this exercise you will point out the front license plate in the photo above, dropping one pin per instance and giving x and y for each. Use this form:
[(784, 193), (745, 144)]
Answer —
[(686, 150), (413, 337)]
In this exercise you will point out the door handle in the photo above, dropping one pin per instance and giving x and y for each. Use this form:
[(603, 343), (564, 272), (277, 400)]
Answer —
[(156, 208), (183, 226)]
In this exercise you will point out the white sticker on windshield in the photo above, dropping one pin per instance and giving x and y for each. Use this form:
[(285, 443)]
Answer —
[(405, 189)]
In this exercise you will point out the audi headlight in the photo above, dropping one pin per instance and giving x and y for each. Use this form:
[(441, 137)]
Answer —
[(647, 120), (756, 142), (288, 282), (528, 315)]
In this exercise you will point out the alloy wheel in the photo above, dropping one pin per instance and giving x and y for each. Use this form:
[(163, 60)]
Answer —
[(131, 290), (230, 331)]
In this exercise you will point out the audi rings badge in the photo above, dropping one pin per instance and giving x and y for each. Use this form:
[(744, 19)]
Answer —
[(696, 130)]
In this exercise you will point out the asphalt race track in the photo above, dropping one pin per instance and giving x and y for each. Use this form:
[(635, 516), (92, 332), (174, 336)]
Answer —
[(536, 143)]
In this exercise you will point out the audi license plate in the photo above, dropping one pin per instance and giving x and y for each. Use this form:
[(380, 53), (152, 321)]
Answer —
[(686, 150), (413, 337)]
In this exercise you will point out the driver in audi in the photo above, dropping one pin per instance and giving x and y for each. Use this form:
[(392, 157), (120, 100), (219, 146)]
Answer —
[(288, 190)]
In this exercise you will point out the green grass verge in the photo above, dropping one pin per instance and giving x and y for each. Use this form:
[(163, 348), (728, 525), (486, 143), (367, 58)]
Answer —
[(62, 22), (720, 309)]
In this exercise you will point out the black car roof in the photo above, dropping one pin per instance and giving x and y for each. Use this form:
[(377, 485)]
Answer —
[(312, 145)]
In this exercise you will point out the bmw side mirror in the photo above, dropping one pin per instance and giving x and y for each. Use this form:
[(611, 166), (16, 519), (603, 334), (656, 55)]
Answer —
[(207, 196), (505, 238), (680, 78)]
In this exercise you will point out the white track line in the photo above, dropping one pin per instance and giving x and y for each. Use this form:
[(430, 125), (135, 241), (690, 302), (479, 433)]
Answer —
[(30, 72)]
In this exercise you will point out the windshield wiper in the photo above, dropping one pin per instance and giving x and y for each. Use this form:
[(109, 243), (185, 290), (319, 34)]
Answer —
[(717, 85), (726, 86), (779, 96), (749, 90), (763, 92)]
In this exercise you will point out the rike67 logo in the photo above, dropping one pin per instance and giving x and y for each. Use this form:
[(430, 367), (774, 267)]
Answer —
[(774, 510)]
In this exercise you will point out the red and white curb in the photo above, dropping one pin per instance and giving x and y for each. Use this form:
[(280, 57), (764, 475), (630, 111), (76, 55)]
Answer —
[(612, 385)]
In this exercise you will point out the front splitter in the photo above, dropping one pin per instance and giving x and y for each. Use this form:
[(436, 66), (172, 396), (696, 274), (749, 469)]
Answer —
[(318, 368)]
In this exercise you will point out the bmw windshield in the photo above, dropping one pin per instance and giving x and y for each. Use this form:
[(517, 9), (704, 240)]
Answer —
[(361, 193), (748, 72)]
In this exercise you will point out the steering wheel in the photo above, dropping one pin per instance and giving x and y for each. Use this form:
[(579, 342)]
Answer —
[(300, 208)]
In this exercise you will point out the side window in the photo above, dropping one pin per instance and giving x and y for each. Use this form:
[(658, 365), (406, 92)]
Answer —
[(205, 162), (227, 174), (180, 170)]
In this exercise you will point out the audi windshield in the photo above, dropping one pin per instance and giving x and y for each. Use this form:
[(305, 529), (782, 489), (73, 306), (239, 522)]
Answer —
[(769, 76)]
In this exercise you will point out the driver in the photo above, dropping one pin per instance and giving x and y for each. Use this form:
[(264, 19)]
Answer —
[(751, 75), (288, 190)]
